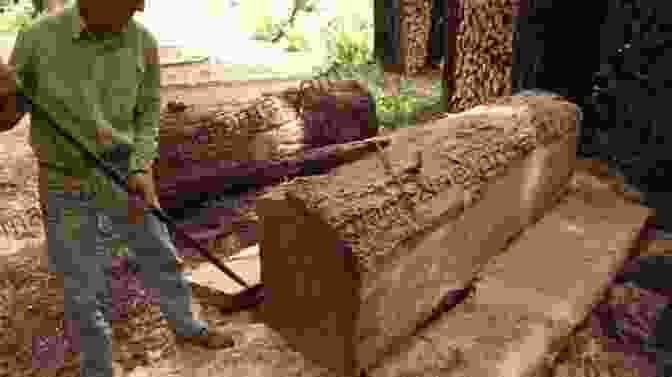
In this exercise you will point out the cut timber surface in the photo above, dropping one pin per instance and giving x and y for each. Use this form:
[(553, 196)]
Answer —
[(530, 297), (370, 250), (590, 234), (245, 263)]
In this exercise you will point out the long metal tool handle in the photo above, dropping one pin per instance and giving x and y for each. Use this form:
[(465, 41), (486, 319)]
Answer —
[(119, 180)]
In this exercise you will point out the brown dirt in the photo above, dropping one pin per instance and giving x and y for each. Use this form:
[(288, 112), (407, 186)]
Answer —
[(20, 220)]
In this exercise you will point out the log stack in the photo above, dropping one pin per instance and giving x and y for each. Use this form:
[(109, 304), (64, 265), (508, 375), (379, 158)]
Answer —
[(484, 53), (415, 27), (371, 249)]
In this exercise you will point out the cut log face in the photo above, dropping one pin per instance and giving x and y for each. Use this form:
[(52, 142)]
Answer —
[(530, 298), (409, 224), (591, 235)]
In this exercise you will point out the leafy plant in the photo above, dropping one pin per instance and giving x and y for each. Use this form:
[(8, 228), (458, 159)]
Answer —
[(274, 31), (16, 17), (120, 249), (349, 48), (393, 111), (296, 41), (265, 28)]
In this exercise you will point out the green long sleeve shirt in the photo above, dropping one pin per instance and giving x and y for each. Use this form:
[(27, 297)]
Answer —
[(106, 80)]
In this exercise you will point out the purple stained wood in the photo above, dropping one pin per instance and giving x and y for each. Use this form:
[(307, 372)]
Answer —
[(217, 177)]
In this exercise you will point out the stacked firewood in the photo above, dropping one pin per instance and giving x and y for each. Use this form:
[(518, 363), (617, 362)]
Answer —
[(484, 53), (416, 22)]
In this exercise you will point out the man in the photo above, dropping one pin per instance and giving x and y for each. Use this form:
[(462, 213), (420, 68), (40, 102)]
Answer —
[(94, 59)]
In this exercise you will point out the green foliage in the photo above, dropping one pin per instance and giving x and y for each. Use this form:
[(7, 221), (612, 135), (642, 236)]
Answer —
[(349, 55), (272, 30), (348, 47), (401, 110), (349, 43), (16, 17), (265, 28), (296, 41), (120, 249)]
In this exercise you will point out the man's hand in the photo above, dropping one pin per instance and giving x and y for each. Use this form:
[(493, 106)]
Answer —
[(104, 136), (8, 88), (143, 184)]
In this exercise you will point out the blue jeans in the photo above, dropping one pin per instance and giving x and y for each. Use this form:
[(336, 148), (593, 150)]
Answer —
[(76, 250)]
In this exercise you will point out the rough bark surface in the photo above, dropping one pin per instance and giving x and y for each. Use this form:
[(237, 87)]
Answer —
[(465, 150), (271, 138), (416, 22), (371, 234), (221, 132), (484, 53)]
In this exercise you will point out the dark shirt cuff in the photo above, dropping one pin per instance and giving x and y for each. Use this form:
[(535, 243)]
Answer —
[(23, 103)]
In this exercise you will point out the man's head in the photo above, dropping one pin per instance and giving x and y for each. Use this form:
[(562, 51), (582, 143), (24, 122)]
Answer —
[(109, 15)]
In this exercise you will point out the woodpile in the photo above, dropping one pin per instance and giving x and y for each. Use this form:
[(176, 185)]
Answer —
[(415, 27), (409, 223), (484, 53)]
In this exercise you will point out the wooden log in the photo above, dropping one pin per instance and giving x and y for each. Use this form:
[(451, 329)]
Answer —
[(221, 177), (372, 248), (220, 132), (522, 317), (212, 145)]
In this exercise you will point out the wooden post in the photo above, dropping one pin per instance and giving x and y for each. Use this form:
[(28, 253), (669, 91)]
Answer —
[(450, 30)]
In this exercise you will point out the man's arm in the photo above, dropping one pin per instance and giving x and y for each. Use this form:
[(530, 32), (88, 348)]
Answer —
[(13, 108), (10, 116), (147, 114)]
